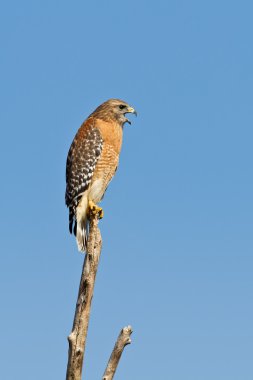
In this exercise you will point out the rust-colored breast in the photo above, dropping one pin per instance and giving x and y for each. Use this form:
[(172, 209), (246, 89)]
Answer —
[(107, 164), (111, 133)]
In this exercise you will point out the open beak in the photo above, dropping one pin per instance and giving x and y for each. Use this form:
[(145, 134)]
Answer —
[(130, 110)]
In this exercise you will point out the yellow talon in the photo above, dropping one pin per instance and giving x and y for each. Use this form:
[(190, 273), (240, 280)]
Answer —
[(95, 210)]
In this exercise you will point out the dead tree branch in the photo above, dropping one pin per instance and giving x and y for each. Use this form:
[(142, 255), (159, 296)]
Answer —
[(122, 341), (77, 338)]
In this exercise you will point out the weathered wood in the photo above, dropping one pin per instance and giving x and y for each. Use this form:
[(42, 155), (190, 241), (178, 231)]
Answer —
[(77, 338), (122, 341)]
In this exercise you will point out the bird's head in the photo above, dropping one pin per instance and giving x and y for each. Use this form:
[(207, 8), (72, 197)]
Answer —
[(115, 109)]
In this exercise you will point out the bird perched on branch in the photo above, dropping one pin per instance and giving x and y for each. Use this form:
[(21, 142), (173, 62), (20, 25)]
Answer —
[(92, 161)]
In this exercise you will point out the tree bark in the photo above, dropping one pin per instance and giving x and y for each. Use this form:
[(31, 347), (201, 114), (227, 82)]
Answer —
[(77, 338), (122, 341)]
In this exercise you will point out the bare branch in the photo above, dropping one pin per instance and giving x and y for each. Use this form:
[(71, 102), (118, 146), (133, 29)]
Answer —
[(122, 341), (77, 338)]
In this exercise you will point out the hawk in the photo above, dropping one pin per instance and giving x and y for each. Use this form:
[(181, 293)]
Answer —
[(92, 161)]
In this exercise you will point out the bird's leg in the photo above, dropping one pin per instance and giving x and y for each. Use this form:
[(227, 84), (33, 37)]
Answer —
[(95, 210)]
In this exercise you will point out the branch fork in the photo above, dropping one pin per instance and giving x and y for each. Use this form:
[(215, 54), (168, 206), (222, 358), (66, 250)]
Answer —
[(78, 335)]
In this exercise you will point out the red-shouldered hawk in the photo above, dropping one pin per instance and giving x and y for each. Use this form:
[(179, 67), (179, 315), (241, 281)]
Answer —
[(92, 162)]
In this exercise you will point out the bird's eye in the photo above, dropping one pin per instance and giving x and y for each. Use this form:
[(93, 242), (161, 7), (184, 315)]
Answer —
[(121, 107)]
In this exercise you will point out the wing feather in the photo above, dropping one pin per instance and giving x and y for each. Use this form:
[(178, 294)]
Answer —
[(83, 155)]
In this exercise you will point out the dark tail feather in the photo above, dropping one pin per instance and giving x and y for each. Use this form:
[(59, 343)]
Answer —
[(71, 219), (74, 230)]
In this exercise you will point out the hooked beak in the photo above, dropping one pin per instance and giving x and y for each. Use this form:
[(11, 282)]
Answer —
[(130, 110)]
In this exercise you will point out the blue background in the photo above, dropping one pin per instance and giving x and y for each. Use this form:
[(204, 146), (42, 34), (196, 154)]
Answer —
[(177, 233)]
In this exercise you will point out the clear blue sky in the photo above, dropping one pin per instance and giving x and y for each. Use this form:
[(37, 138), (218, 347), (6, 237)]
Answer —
[(177, 255)]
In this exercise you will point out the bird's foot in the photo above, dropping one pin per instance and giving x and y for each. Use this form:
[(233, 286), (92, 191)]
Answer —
[(95, 210)]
